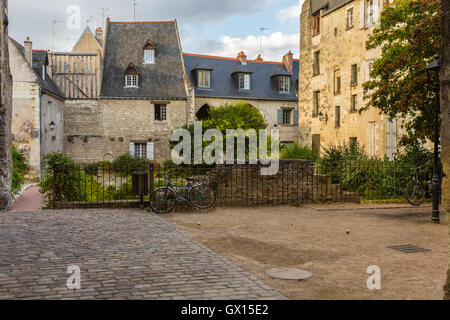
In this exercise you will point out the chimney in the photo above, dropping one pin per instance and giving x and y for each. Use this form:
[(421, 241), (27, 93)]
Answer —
[(28, 46), (259, 58), (242, 57), (99, 35), (288, 63)]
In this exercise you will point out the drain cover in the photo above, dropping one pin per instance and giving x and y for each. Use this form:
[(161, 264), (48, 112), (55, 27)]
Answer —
[(289, 274), (409, 248)]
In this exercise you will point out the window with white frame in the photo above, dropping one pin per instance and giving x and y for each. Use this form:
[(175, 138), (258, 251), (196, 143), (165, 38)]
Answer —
[(204, 78), (149, 56), (140, 150), (131, 81), (370, 12), (349, 18), (244, 81), (285, 84), (287, 116), (160, 112)]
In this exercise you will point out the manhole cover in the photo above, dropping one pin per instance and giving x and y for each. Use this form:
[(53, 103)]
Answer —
[(289, 274), (409, 248)]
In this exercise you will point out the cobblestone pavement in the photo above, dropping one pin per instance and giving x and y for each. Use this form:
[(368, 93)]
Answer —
[(122, 254)]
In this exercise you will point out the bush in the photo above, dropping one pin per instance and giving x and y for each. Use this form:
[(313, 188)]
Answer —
[(20, 169), (295, 151), (126, 164), (92, 169)]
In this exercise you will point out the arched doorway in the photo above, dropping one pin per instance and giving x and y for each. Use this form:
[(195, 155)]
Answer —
[(203, 113)]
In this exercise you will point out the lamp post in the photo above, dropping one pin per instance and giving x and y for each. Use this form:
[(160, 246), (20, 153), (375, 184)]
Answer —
[(435, 68)]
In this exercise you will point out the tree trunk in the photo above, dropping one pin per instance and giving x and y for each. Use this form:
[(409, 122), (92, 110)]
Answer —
[(445, 109), (5, 111)]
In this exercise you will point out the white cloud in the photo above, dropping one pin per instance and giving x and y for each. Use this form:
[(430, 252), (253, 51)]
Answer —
[(291, 13), (274, 47)]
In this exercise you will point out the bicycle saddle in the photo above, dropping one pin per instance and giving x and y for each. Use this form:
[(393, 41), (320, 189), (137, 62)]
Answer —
[(190, 179)]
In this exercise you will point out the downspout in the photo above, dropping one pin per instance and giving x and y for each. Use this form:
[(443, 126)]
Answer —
[(41, 94)]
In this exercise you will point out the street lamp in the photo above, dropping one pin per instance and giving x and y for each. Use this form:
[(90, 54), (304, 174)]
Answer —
[(52, 126), (434, 67)]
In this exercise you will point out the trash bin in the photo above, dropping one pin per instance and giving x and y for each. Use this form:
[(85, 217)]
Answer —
[(140, 185)]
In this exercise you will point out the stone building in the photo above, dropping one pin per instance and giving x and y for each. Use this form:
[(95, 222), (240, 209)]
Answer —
[(334, 64), (268, 86), (143, 96), (38, 105)]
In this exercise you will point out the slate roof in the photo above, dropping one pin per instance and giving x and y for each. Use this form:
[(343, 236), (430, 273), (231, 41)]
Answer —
[(40, 57), (223, 85), (328, 5), (124, 44)]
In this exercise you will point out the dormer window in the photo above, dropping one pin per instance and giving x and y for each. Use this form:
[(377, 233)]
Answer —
[(244, 81), (131, 77), (204, 79), (285, 84), (149, 52)]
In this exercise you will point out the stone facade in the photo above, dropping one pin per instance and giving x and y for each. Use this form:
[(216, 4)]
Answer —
[(339, 45), (5, 111), (445, 109)]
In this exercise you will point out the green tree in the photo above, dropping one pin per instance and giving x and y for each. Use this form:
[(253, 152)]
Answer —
[(409, 37), (20, 169)]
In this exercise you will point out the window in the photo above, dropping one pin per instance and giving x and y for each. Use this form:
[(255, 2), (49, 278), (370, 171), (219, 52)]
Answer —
[(244, 81), (204, 79), (316, 103), (287, 116), (391, 139), (349, 17), (354, 103), (316, 64), (337, 82), (131, 81), (372, 138), (285, 83), (338, 117), (160, 112), (149, 56), (140, 150), (369, 13), (354, 80), (317, 24)]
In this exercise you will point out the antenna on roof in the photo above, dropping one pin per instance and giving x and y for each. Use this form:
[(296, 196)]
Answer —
[(261, 30), (134, 8), (104, 15), (54, 23)]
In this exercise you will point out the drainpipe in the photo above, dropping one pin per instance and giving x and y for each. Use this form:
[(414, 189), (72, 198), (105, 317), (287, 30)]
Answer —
[(41, 94)]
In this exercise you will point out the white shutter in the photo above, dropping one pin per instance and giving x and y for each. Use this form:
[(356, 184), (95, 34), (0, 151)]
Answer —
[(150, 151), (376, 11), (362, 15), (132, 149), (367, 70)]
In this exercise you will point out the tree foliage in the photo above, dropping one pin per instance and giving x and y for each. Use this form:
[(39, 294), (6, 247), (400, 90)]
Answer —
[(409, 38)]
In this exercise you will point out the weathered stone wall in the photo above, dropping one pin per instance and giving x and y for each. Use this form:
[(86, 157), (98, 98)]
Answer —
[(268, 110), (102, 129), (5, 111), (339, 48), (445, 108)]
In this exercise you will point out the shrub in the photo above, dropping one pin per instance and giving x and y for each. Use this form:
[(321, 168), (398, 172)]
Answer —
[(295, 151), (126, 164), (20, 169)]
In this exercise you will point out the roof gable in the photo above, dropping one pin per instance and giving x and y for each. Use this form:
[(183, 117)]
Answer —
[(87, 42)]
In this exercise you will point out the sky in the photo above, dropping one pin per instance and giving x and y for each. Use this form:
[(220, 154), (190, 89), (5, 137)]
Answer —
[(215, 27)]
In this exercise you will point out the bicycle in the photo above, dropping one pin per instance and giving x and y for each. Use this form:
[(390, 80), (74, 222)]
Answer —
[(415, 191), (199, 194)]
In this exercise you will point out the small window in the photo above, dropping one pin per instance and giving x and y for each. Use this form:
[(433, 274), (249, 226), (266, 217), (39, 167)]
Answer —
[(337, 82), (316, 102), (338, 117), (287, 117), (349, 17), (354, 80), (354, 103), (369, 13), (131, 81), (160, 112), (317, 24), (149, 56), (244, 81), (316, 64), (204, 79), (140, 150), (285, 84)]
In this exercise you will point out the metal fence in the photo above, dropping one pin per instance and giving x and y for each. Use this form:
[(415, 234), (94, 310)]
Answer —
[(297, 182)]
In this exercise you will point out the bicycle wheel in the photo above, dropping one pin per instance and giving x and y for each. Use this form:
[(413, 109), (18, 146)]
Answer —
[(202, 196), (415, 193), (163, 200)]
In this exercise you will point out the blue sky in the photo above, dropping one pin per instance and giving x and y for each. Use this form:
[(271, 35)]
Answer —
[(207, 27)]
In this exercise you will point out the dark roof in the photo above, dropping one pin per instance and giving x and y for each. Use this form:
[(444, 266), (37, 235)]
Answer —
[(328, 5), (40, 57), (124, 44), (224, 85)]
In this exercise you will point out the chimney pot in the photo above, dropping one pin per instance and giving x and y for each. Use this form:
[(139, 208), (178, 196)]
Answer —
[(28, 47), (259, 58), (242, 57)]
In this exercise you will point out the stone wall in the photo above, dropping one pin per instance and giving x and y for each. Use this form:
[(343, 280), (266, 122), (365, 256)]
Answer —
[(97, 130), (5, 111)]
